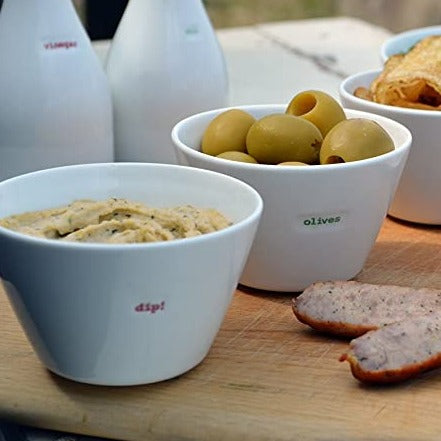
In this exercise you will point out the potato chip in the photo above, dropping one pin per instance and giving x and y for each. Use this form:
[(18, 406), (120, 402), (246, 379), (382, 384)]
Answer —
[(362, 92), (389, 66), (411, 80)]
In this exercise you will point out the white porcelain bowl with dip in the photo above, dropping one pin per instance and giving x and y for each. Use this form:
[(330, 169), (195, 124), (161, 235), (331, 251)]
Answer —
[(79, 303), (319, 222), (402, 42), (418, 196)]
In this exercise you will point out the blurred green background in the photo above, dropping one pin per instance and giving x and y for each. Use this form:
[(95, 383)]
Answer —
[(395, 15), (102, 16)]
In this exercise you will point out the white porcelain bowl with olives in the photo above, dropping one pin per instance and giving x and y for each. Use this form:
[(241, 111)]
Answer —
[(319, 221)]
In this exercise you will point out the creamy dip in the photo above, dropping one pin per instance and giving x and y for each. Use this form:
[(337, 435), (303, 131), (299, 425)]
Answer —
[(116, 221)]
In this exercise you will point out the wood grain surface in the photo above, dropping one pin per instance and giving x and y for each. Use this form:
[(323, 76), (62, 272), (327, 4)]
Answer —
[(267, 377)]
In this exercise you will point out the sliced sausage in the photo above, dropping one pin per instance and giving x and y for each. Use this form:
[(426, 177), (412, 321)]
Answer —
[(398, 351), (352, 308)]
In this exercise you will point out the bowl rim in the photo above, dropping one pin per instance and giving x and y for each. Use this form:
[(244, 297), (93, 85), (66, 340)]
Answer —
[(253, 216), (317, 168), (345, 92), (424, 31)]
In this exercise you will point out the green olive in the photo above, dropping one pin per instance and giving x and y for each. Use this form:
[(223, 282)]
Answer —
[(227, 132), (280, 137), (353, 140), (319, 108), (297, 163), (237, 156)]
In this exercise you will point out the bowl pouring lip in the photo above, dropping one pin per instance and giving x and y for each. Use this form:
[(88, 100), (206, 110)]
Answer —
[(252, 217), (318, 168), (348, 85), (410, 33)]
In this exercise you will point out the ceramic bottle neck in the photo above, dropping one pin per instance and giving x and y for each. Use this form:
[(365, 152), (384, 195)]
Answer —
[(50, 14), (47, 7), (154, 7)]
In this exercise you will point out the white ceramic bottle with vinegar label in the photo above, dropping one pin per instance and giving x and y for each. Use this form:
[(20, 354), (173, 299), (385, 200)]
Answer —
[(164, 64), (55, 102)]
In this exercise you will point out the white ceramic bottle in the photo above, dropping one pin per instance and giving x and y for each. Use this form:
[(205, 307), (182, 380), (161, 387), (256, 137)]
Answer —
[(55, 102), (164, 64)]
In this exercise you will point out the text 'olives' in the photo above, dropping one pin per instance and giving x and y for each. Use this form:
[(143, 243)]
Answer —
[(319, 108), (227, 132), (281, 137), (353, 140)]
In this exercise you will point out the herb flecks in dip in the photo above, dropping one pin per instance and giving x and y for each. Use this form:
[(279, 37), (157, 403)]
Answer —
[(116, 221)]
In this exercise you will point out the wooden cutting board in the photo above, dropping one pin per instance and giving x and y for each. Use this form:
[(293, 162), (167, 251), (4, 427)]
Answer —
[(267, 377)]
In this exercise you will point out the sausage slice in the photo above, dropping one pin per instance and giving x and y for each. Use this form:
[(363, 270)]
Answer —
[(398, 351), (352, 308)]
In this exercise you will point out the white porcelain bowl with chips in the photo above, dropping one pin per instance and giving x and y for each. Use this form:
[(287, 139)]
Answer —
[(418, 196), (402, 42), (125, 314), (319, 222)]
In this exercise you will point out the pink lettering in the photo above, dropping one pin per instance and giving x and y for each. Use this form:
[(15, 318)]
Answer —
[(60, 45), (151, 308)]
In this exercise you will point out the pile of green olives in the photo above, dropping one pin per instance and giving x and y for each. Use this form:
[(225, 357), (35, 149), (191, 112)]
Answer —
[(313, 130)]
